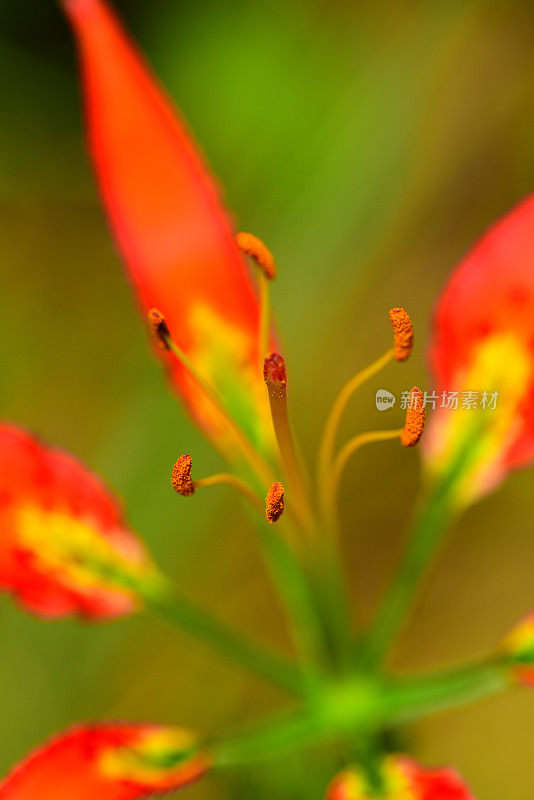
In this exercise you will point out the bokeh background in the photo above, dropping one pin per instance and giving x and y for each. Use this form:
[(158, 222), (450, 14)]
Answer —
[(368, 144)]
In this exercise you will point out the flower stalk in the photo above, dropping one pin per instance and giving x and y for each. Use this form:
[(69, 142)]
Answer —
[(162, 597), (436, 513)]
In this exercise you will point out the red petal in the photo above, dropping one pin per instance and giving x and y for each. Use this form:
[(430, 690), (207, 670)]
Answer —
[(106, 762), (55, 517), (491, 292), (402, 778), (435, 784), (166, 215)]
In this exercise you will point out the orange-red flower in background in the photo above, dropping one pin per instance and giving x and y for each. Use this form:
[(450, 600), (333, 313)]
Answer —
[(165, 212), (518, 650), (107, 762), (403, 779), (63, 540), (483, 342)]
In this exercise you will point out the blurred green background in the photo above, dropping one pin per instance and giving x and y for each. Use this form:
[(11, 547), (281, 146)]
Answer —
[(368, 144)]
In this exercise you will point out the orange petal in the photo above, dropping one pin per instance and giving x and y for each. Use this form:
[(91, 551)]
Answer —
[(403, 779), (483, 340), (107, 762), (166, 215), (61, 532)]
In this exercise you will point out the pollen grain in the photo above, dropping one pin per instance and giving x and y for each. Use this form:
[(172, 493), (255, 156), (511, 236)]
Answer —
[(251, 246), (181, 476), (415, 419), (402, 333), (274, 502)]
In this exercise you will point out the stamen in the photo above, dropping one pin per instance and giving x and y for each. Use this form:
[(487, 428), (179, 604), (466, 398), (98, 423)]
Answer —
[(181, 476), (274, 502), (415, 418), (328, 442), (159, 327), (158, 324), (251, 246), (274, 373), (402, 333), (184, 485)]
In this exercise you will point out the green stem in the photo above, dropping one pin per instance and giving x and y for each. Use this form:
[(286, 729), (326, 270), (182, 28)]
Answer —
[(412, 698), (432, 520), (356, 710), (338, 710), (332, 603), (293, 586), (284, 734), (161, 596), (434, 517)]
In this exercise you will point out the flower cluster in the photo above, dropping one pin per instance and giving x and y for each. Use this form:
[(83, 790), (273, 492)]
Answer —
[(66, 549)]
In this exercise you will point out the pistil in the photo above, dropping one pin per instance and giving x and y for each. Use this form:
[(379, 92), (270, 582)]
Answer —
[(274, 373)]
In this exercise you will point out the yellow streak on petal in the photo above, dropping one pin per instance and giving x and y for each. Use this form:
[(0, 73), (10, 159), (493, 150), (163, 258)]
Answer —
[(502, 364), (144, 761), (396, 784), (521, 638), (73, 550), (222, 351)]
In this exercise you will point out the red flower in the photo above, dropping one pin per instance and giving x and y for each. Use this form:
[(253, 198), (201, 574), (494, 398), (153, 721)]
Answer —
[(165, 212), (483, 342), (107, 762), (61, 533), (403, 779)]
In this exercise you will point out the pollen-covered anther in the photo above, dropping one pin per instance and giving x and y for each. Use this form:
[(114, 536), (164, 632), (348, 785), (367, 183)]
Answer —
[(159, 327), (274, 502), (415, 418), (402, 333), (274, 373), (181, 476), (251, 246)]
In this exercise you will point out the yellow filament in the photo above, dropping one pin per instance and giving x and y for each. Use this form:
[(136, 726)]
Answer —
[(265, 317), (226, 478), (328, 442)]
